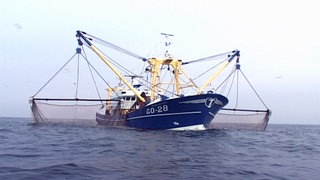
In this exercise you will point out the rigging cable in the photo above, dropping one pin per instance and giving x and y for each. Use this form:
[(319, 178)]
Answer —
[(237, 89), (132, 73), (97, 74), (84, 55), (120, 67), (120, 50), (55, 75), (237, 94), (223, 83), (78, 72), (209, 69), (113, 46), (110, 59), (211, 58), (253, 89), (94, 81), (231, 85), (226, 82)]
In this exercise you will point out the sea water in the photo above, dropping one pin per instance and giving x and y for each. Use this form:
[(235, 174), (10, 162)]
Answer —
[(64, 151)]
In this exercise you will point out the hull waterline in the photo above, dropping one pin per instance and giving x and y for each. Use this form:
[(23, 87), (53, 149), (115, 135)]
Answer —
[(183, 113)]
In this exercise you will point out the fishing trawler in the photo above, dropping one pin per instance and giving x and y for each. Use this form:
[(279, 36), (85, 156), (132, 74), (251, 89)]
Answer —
[(152, 110), (147, 103)]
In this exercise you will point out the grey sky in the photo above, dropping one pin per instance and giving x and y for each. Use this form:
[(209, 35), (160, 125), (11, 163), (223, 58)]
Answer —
[(278, 40)]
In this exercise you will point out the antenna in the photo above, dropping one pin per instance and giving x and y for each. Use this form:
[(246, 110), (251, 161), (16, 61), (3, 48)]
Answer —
[(167, 42), (166, 34)]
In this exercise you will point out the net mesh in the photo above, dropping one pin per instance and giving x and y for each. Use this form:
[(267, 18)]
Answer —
[(113, 115), (64, 112), (241, 119)]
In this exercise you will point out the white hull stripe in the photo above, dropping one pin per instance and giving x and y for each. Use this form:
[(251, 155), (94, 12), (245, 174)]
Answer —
[(198, 127), (196, 101), (168, 114)]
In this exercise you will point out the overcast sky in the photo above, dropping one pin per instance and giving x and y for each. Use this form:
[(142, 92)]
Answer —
[(279, 43)]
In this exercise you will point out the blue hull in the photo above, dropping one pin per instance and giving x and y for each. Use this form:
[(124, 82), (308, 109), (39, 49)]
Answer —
[(177, 113)]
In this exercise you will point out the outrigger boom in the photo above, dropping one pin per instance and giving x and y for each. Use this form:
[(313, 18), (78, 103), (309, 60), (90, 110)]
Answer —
[(231, 57), (105, 60)]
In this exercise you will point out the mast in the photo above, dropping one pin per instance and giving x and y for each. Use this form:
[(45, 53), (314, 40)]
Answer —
[(155, 72), (156, 65), (176, 66), (105, 60)]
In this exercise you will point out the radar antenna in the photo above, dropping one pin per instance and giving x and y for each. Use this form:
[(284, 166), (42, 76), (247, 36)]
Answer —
[(167, 43)]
